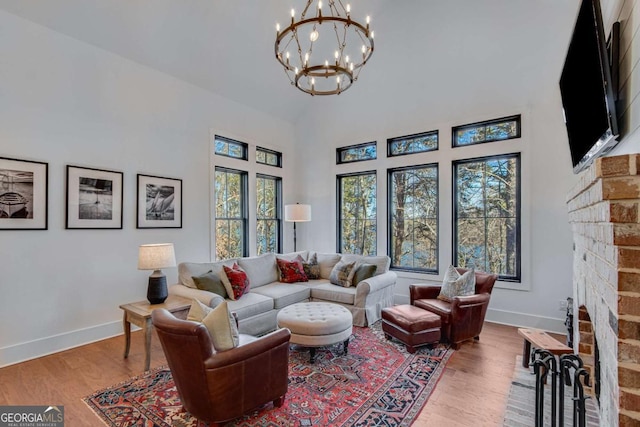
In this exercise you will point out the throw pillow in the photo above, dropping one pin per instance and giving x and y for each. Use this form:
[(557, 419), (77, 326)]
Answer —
[(210, 282), (456, 285), (218, 321), (363, 272), (291, 271), (238, 281), (342, 273), (311, 267)]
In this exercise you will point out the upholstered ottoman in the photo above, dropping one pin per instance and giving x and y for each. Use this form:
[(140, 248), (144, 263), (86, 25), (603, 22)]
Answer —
[(316, 324), (411, 325)]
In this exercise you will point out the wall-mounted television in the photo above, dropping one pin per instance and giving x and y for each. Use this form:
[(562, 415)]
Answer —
[(586, 88)]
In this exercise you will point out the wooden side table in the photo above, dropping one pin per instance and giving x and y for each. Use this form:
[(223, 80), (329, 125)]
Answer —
[(139, 313)]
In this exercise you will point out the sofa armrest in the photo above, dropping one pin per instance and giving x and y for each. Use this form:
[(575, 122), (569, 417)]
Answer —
[(258, 347), (423, 291), (375, 283), (204, 297)]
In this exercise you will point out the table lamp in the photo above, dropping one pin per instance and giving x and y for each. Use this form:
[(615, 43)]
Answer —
[(154, 257), (297, 213)]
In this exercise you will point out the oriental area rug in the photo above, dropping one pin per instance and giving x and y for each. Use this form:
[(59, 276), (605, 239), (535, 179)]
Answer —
[(378, 383)]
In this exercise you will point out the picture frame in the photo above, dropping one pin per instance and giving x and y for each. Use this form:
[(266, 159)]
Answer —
[(159, 202), (24, 194), (94, 198)]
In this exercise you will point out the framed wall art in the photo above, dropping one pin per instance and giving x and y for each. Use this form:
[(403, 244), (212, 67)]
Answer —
[(159, 202), (94, 198), (23, 194)]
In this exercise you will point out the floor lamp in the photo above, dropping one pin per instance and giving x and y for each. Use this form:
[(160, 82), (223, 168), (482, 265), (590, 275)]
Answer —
[(297, 213)]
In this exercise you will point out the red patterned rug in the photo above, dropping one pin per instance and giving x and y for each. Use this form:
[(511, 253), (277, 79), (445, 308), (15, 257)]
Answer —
[(377, 384)]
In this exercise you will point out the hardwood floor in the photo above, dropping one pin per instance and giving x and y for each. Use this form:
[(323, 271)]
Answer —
[(472, 391)]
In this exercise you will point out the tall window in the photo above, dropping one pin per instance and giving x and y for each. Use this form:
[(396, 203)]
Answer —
[(268, 216), (357, 213), (231, 213), (487, 215), (413, 218)]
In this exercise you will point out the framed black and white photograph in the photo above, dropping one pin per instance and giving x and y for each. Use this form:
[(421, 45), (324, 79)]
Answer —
[(159, 202), (23, 194), (94, 198)]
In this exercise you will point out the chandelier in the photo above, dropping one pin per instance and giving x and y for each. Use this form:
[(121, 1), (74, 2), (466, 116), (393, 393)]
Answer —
[(323, 52)]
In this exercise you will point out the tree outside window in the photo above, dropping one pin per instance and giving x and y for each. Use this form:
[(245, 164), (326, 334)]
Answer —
[(357, 227)]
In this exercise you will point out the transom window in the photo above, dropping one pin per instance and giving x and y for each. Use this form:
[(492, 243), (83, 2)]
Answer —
[(418, 143), (487, 215), (230, 148), (357, 228), (268, 157), (230, 192), (413, 218), (356, 153), (488, 131), (268, 216)]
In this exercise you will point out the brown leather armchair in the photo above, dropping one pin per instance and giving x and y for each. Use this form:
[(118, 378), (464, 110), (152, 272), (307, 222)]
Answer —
[(218, 386), (462, 319)]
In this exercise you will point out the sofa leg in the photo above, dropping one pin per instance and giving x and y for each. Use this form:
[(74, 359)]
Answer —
[(387, 336), (477, 338), (278, 402)]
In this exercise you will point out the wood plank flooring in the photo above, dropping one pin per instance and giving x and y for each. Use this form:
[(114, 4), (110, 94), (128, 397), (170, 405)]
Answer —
[(472, 391)]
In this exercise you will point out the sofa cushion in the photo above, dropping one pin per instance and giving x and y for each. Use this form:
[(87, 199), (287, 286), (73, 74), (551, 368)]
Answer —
[(363, 272), (210, 282), (251, 304), (342, 273), (186, 270), (456, 285), (311, 267), (293, 255), (218, 321), (284, 295), (238, 280), (260, 269), (334, 293), (382, 262), (291, 271), (327, 262)]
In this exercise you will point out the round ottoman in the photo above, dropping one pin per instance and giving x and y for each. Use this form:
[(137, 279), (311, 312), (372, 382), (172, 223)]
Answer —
[(316, 324)]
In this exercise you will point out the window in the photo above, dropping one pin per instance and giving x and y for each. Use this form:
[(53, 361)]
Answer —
[(231, 213), (357, 213), (268, 157), (356, 153), (230, 148), (418, 143), (487, 215), (268, 216), (413, 218), (491, 130)]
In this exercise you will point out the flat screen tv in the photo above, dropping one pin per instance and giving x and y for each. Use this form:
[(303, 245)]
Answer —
[(587, 91)]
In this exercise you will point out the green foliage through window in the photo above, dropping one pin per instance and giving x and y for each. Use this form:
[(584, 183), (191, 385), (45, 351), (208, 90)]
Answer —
[(356, 153), (418, 143), (413, 218), (230, 148), (268, 217), (492, 130), (230, 192), (268, 157), (357, 228), (487, 215)]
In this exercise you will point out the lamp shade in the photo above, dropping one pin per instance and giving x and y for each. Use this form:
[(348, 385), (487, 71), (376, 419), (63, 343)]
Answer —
[(156, 256), (297, 213)]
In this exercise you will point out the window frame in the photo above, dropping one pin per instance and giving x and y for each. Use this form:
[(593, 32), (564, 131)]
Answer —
[(454, 199), (390, 172), (454, 130), (339, 206), (243, 145), (244, 199), (390, 141), (268, 151), (341, 150), (279, 220)]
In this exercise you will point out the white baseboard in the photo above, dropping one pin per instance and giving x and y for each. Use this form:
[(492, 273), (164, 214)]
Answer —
[(512, 318), (22, 352)]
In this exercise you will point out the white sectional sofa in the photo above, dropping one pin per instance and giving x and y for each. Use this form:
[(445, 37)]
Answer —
[(257, 309)]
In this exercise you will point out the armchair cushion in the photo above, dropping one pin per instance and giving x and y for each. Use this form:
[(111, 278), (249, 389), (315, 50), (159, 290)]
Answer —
[(218, 321), (455, 284)]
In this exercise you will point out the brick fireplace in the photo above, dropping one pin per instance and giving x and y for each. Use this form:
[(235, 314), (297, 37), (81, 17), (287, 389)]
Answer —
[(604, 209)]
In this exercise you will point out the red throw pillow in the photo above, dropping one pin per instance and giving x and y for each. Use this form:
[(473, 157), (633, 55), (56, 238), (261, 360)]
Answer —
[(291, 271), (238, 279)]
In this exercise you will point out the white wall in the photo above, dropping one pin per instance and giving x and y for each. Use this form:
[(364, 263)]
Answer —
[(65, 102), (462, 82)]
